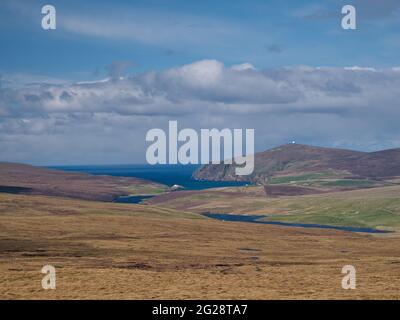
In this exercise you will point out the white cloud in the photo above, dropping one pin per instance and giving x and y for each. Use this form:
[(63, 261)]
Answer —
[(243, 66), (357, 68), (152, 27), (351, 107)]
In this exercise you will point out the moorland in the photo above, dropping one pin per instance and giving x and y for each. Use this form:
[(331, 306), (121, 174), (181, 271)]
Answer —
[(166, 248)]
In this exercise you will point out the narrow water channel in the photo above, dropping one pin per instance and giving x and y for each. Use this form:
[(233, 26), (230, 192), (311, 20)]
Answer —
[(256, 219)]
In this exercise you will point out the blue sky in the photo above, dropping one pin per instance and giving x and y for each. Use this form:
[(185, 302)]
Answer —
[(114, 69), (154, 35)]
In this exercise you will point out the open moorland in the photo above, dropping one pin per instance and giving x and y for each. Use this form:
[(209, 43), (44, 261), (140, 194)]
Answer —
[(26, 179), (166, 249), (108, 250)]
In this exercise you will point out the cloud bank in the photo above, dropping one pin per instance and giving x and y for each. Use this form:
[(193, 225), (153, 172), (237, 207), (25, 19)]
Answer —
[(105, 121)]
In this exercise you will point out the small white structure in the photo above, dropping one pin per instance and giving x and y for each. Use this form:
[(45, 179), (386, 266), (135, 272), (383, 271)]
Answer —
[(176, 187)]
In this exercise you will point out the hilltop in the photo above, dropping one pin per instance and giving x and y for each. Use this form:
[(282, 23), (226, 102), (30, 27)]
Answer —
[(293, 163)]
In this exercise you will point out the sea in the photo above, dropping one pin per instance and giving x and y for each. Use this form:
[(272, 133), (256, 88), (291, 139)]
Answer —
[(165, 174)]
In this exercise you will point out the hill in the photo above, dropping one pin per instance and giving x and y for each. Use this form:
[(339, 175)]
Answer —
[(25, 179), (296, 162)]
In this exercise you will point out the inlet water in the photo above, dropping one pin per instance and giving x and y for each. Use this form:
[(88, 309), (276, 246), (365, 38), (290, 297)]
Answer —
[(165, 174), (256, 219), (132, 199)]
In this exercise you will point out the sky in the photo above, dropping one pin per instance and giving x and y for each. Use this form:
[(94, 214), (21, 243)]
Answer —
[(87, 92)]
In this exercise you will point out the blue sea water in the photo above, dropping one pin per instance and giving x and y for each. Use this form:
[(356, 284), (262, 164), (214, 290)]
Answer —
[(165, 174)]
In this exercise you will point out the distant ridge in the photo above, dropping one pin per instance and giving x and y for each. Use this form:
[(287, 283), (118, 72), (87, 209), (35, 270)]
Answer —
[(299, 159), (26, 179)]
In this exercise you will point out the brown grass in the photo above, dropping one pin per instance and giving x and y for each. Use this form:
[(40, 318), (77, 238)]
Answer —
[(42, 181), (113, 251)]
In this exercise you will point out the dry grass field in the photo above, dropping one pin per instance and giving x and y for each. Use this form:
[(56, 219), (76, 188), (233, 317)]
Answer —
[(119, 251)]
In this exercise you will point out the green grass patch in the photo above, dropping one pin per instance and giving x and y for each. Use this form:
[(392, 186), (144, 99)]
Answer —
[(303, 178), (370, 213), (147, 189), (347, 183)]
